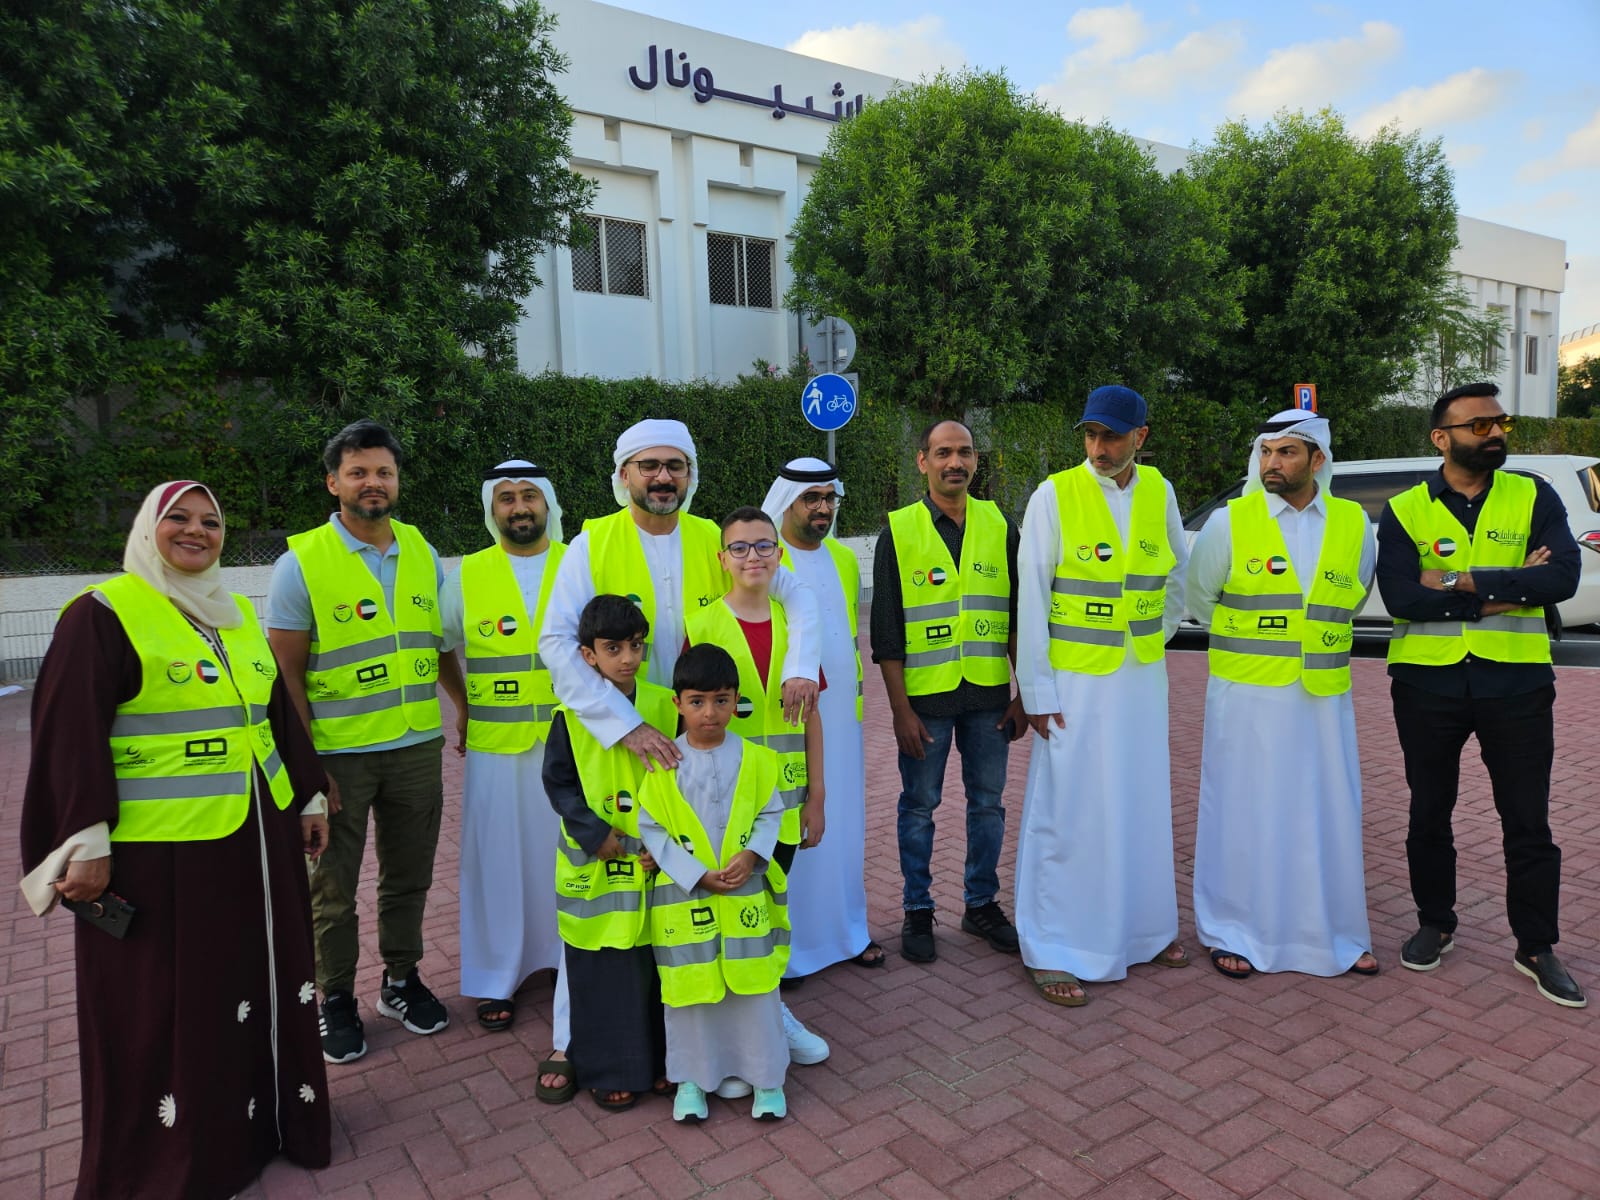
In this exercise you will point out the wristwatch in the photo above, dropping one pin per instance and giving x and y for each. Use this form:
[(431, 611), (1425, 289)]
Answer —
[(1448, 580)]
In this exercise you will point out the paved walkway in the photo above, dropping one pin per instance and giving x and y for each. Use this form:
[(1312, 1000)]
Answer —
[(955, 1080)]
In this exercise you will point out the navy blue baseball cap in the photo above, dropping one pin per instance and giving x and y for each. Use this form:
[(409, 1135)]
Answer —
[(1120, 409)]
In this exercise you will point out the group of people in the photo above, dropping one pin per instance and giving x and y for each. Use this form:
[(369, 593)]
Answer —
[(664, 775)]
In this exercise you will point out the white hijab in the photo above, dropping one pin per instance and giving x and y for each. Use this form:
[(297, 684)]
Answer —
[(520, 470), (1297, 423), (795, 478), (642, 436), (201, 594)]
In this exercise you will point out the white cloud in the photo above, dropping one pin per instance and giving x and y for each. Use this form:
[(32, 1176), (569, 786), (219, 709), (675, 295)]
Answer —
[(1310, 75), (906, 51), (1107, 78), (1461, 97), (1533, 130), (1465, 155), (1580, 152)]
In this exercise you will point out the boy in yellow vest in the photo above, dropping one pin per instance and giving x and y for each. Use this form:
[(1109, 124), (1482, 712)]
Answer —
[(718, 909), (617, 1046)]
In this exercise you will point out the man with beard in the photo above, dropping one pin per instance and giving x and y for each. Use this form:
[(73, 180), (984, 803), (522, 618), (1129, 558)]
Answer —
[(666, 560), (1279, 575), (353, 619), (944, 605), (827, 890), (1101, 590), (493, 607), (1468, 561)]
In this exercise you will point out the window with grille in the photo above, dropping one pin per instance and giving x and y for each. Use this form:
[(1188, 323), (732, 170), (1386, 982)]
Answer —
[(613, 262), (1531, 362), (742, 270)]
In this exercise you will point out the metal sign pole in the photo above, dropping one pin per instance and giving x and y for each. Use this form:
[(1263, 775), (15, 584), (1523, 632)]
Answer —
[(833, 356)]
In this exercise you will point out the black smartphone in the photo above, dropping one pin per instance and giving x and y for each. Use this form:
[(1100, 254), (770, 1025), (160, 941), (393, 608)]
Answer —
[(107, 911)]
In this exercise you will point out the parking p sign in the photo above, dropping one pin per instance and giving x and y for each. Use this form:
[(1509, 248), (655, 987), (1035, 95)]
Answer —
[(1305, 396)]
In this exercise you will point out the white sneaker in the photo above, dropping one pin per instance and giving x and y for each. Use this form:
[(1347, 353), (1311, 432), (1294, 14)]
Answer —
[(733, 1088), (805, 1047)]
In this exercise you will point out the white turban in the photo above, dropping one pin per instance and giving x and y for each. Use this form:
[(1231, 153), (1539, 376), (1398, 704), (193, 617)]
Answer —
[(520, 470), (644, 435), (1297, 423), (798, 476)]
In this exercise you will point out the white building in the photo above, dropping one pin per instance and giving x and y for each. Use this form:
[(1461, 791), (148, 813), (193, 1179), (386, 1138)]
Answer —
[(704, 145)]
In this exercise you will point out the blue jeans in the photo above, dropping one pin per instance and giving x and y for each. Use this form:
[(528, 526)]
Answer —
[(983, 773)]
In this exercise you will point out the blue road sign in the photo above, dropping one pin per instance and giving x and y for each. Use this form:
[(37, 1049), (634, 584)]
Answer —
[(828, 402)]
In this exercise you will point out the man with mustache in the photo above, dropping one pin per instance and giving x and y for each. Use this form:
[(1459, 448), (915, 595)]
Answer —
[(493, 607), (1101, 590), (1278, 575), (944, 605), (353, 619), (1468, 561)]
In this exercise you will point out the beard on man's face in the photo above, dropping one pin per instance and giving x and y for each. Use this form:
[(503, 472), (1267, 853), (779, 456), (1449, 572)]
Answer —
[(1488, 455)]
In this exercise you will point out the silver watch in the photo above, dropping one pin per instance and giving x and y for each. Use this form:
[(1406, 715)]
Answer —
[(1448, 580)]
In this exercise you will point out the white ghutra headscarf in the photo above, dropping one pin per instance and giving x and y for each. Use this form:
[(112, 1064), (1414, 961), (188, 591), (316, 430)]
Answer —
[(1296, 423), (520, 470), (642, 436), (795, 478)]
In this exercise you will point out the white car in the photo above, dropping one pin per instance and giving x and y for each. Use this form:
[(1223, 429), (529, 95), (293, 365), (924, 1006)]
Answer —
[(1371, 482)]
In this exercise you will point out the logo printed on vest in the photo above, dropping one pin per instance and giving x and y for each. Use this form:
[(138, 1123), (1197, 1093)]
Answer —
[(420, 601), (1099, 610), (486, 628), (981, 627), (1507, 537), (1149, 547), (260, 667), (706, 601), (793, 772), (1103, 551), (1147, 605), (506, 689), (919, 577), (1334, 637), (179, 672), (745, 708), (938, 635), (621, 801), (1338, 578), (367, 609), (619, 868), (986, 570), (342, 613), (701, 915), (206, 748), (206, 671), (937, 576), (1445, 547), (1254, 566), (507, 625), (750, 916), (427, 668), (1273, 624), (374, 676), (1277, 565)]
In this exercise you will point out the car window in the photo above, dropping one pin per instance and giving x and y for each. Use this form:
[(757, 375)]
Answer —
[(1197, 519), (1373, 489), (1591, 488)]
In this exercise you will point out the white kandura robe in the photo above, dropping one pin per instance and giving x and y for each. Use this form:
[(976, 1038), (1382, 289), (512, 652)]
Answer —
[(1278, 871), (827, 885), (1095, 886), (738, 1037), (508, 844)]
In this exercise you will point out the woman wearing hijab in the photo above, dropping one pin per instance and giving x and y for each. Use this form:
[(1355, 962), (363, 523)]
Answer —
[(170, 770)]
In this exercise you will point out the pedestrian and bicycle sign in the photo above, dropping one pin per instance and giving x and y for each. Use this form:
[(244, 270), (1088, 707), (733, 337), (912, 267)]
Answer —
[(828, 402)]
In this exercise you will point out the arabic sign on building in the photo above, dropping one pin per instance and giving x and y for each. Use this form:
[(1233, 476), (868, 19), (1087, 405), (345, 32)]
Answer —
[(679, 72)]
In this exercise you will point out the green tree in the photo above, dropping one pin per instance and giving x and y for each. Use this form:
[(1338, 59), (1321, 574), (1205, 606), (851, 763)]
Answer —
[(1461, 342), (1344, 244), (1578, 388), (986, 249)]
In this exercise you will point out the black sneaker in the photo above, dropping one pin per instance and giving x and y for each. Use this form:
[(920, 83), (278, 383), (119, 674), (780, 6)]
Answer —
[(343, 1039), (1425, 947), (412, 1004), (1551, 978), (916, 936), (989, 922)]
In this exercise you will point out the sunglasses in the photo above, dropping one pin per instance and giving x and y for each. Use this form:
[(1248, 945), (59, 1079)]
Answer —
[(1484, 426)]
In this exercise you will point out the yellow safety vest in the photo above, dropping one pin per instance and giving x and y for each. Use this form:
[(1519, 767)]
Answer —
[(849, 569), (371, 676), (1500, 541), (759, 717), (957, 622), (510, 699), (707, 945), (185, 746), (1105, 594), (601, 904), (617, 564), (1265, 630)]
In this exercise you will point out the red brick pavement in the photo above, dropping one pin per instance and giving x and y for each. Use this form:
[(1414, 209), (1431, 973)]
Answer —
[(954, 1079)]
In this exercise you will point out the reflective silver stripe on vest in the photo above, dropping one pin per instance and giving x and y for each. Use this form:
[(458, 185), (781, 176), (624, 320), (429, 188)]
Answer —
[(1085, 587), (191, 720), (983, 649), (258, 713), (419, 639), (573, 854), (986, 603), (1327, 662), (357, 706), (418, 693), (511, 714), (1508, 624), (1329, 612), (499, 664), (630, 844), (932, 658), (1144, 583), (1268, 600), (344, 656), (1144, 626), (538, 663), (1426, 629), (1261, 647), (599, 906), (783, 743), (792, 798), (1090, 637), (181, 787), (928, 612), (694, 954), (667, 892), (736, 948), (273, 765)]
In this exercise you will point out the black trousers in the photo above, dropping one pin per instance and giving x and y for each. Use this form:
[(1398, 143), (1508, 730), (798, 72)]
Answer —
[(1516, 740)]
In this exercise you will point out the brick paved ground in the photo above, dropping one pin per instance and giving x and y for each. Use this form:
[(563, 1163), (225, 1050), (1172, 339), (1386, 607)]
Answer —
[(955, 1080)]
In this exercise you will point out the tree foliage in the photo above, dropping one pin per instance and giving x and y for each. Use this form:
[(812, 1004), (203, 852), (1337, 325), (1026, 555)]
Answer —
[(986, 249), (1578, 388), (1460, 341), (1344, 246)]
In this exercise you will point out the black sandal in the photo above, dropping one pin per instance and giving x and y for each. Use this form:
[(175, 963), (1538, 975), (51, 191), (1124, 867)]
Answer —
[(1216, 961), (861, 960), (600, 1095), (487, 1010)]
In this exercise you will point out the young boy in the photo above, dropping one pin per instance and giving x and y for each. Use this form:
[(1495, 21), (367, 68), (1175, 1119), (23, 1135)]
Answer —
[(718, 915), (751, 626), (618, 1042)]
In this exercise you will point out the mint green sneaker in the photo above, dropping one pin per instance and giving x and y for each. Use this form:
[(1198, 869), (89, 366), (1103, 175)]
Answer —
[(690, 1103), (770, 1105)]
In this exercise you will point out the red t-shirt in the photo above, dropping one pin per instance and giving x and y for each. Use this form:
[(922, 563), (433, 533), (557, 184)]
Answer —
[(758, 636)]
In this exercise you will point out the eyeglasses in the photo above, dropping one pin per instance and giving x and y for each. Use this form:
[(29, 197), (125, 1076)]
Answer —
[(815, 501), (1483, 426), (741, 550), (675, 467)]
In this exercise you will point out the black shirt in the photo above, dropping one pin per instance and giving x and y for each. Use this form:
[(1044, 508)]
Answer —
[(1399, 582), (888, 626)]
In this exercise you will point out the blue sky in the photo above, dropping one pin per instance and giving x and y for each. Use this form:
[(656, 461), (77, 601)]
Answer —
[(1513, 91)]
